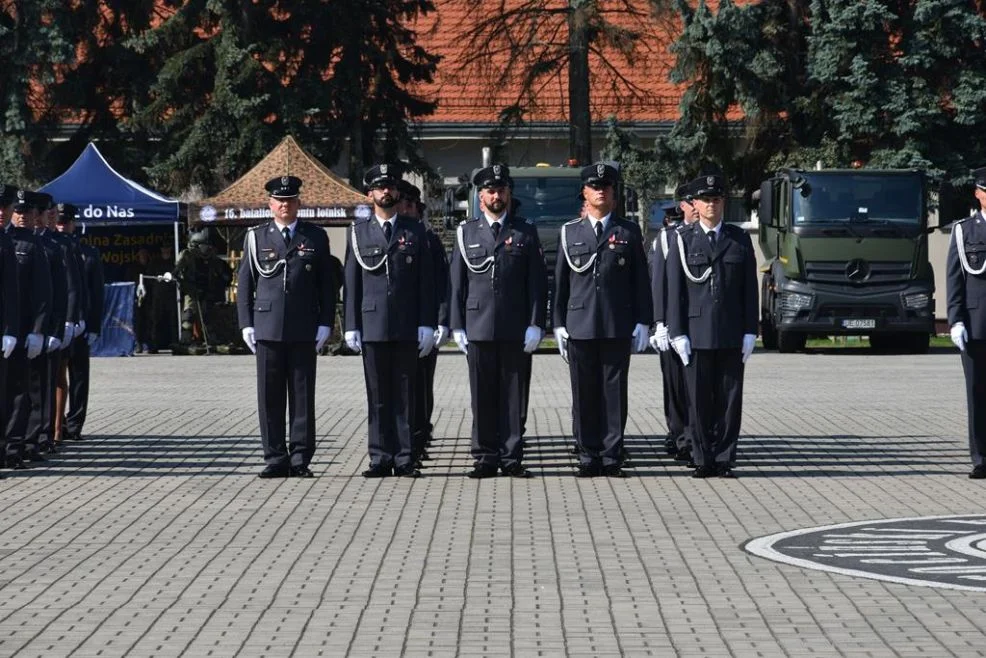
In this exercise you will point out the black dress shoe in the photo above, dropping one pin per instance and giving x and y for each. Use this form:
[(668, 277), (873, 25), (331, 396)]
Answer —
[(482, 471), (273, 471), (575, 451), (613, 471), (587, 471), (671, 446), (49, 449), (408, 471), (424, 456), (683, 455), (516, 471), (36, 457), (978, 473), (724, 471), (17, 465), (377, 471), (301, 472), (704, 472)]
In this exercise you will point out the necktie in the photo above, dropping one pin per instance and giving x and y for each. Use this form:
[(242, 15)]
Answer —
[(286, 232), (387, 231), (496, 229), (712, 239), (599, 230)]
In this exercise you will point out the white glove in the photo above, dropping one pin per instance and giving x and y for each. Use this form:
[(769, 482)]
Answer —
[(441, 336), (749, 342), (561, 337), (80, 327), (322, 334), (9, 343), (54, 344), (459, 335), (68, 334), (354, 341), (33, 343), (683, 347), (959, 335), (92, 338), (250, 338), (640, 336), (426, 341), (532, 337), (660, 341)]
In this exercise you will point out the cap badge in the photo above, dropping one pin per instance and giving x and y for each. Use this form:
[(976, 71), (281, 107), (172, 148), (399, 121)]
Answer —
[(710, 180), (496, 170), (284, 180), (601, 170), (383, 169)]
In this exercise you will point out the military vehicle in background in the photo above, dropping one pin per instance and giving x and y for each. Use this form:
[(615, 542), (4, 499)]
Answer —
[(846, 253)]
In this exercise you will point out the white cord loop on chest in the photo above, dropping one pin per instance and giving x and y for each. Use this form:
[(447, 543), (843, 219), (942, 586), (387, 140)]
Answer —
[(563, 244), (481, 268), (664, 242), (684, 265), (267, 272), (960, 248), (385, 263)]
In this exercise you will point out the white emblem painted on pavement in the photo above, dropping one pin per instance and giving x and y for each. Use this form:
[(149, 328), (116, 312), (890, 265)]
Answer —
[(932, 551)]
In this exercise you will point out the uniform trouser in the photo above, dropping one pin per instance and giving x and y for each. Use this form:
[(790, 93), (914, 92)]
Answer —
[(78, 387), (715, 397), (43, 373), (23, 394), (599, 370), (388, 368), (499, 377), (286, 383), (974, 367), (424, 400), (4, 404), (675, 399)]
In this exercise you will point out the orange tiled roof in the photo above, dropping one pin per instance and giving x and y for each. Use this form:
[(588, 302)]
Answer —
[(645, 95)]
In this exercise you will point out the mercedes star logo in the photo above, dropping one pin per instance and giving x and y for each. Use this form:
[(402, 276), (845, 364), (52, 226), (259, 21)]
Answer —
[(858, 270)]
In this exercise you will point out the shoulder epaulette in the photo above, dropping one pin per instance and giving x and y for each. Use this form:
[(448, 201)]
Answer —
[(573, 221)]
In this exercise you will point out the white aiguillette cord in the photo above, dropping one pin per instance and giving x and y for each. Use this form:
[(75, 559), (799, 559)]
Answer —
[(960, 247), (483, 267), (281, 266), (684, 265), (563, 243), (385, 263)]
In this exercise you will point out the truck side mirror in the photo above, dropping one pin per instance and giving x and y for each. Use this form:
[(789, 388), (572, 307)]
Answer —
[(765, 211)]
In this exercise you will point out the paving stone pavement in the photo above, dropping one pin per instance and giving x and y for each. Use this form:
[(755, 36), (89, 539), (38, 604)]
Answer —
[(154, 537)]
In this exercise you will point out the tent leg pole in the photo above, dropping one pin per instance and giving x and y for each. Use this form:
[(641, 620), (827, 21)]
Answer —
[(177, 291)]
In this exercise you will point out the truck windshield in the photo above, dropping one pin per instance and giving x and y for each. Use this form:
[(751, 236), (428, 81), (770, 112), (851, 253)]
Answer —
[(836, 198), (548, 201)]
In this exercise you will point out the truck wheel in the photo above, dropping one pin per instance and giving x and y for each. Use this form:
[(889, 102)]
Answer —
[(790, 341), (768, 332), (916, 343)]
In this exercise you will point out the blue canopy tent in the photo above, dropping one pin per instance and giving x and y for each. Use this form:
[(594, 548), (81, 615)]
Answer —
[(108, 200)]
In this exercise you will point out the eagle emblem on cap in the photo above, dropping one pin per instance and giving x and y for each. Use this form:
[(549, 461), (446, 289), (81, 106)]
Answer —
[(383, 169), (284, 180), (600, 170), (496, 170), (710, 180), (21, 196)]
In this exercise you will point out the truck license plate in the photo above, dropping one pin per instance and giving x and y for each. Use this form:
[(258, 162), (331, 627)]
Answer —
[(859, 324)]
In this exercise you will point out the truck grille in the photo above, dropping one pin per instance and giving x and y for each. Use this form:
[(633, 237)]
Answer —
[(838, 271), (840, 312)]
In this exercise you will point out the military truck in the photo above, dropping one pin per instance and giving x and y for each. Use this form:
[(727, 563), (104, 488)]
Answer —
[(846, 253)]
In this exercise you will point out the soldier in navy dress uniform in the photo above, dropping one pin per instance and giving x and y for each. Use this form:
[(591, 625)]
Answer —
[(712, 304), (9, 301), (602, 311), (679, 440), (390, 317), (286, 297), (966, 291), (36, 291), (499, 288), (410, 205)]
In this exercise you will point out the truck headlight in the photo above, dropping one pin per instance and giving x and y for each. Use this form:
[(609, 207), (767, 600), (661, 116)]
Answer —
[(916, 300), (795, 301)]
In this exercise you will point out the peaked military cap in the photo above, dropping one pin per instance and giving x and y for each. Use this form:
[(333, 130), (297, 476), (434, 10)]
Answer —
[(683, 192), (25, 200), (44, 201), (600, 173), (7, 194), (284, 187), (409, 191), (979, 177), (66, 213), (385, 173), (711, 185), (496, 175)]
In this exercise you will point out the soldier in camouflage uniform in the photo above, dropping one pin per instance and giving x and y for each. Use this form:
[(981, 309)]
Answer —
[(204, 278)]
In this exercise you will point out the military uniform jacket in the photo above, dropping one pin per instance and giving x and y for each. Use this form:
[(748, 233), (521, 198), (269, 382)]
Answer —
[(92, 275), (76, 305), (716, 312), (33, 282), (966, 282), (59, 314), (499, 285), (298, 296), (10, 310), (611, 294), (441, 271), (666, 237), (392, 291)]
